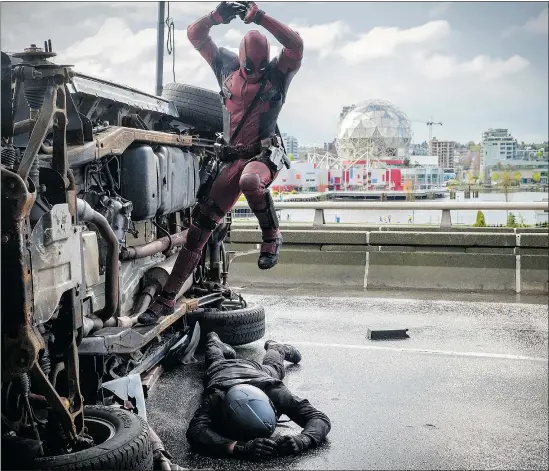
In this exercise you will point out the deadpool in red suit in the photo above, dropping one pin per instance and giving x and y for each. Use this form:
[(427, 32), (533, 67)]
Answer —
[(250, 154)]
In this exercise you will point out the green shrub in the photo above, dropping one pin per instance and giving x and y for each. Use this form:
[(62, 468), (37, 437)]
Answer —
[(511, 220), (480, 222)]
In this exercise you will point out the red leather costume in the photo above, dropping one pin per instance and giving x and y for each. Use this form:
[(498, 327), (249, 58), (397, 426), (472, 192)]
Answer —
[(240, 78)]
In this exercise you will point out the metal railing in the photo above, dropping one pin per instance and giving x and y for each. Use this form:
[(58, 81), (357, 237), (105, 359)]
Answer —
[(445, 207)]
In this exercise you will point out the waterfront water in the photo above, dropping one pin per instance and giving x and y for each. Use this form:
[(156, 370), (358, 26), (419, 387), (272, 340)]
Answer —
[(492, 217)]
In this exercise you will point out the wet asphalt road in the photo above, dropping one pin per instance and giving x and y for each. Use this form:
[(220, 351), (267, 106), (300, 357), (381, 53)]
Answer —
[(467, 390)]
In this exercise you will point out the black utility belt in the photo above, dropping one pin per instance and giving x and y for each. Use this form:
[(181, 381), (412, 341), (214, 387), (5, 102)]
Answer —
[(226, 153)]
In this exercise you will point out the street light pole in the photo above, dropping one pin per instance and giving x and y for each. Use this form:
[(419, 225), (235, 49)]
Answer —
[(160, 48)]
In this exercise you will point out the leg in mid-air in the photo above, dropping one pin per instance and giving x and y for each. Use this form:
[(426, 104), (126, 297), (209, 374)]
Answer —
[(254, 182), (217, 350), (206, 216), (275, 355)]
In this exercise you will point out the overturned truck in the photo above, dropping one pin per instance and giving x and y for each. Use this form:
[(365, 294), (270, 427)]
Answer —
[(98, 182)]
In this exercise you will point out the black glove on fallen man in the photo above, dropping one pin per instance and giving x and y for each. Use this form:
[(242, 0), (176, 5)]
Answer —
[(255, 450), (293, 445)]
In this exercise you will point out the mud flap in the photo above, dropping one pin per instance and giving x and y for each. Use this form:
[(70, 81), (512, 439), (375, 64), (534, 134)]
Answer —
[(187, 356), (182, 353), (128, 390)]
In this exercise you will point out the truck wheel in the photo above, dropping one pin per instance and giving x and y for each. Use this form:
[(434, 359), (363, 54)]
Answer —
[(196, 106), (235, 327), (122, 442)]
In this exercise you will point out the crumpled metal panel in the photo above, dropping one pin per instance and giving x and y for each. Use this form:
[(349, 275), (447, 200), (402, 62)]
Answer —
[(96, 87), (56, 253)]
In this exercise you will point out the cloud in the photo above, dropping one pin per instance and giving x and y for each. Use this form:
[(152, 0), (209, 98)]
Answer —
[(535, 25), (383, 41), (440, 66), (119, 54), (439, 9), (538, 24), (233, 36), (322, 38)]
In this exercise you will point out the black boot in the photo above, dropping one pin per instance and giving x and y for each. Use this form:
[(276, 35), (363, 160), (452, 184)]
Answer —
[(163, 305), (270, 252), (290, 353), (227, 350), (272, 240)]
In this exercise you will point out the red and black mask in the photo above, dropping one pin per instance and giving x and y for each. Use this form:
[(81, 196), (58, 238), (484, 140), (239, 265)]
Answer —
[(254, 56)]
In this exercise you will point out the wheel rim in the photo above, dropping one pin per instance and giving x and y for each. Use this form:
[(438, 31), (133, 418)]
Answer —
[(100, 430)]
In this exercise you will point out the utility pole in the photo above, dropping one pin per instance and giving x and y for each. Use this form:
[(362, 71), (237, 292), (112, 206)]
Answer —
[(160, 48)]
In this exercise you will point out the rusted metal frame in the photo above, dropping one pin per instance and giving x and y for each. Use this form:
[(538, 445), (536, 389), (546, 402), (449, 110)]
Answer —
[(114, 141), (76, 402), (21, 341), (39, 132), (59, 161), (43, 384)]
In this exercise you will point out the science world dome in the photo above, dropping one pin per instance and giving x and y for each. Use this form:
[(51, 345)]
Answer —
[(373, 130)]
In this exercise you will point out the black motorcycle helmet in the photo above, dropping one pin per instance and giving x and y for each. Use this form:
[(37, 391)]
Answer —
[(248, 413)]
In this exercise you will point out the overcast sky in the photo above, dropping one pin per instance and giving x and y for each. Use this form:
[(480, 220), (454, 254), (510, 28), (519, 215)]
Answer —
[(470, 65)]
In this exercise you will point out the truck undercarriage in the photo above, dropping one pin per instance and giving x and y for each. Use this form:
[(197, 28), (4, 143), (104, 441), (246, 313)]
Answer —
[(98, 183)]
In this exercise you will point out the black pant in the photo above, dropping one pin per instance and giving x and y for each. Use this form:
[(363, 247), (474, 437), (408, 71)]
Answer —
[(273, 361)]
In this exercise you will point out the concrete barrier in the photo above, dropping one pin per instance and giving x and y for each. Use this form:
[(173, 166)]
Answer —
[(457, 261)]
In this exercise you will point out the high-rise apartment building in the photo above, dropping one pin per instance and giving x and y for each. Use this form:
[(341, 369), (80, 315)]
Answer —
[(497, 146), (291, 144), (444, 150)]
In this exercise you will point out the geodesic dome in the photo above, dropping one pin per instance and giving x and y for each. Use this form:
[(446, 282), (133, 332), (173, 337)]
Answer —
[(374, 128)]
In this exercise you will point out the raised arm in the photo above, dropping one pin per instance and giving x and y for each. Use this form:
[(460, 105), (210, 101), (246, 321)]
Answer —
[(199, 32), (289, 60)]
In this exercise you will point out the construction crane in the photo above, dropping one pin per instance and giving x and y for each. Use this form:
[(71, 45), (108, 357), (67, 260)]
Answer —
[(430, 125)]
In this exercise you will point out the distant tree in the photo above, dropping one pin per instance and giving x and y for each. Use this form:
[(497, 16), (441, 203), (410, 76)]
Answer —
[(406, 162), (480, 222), (506, 182), (511, 220), (291, 157), (536, 177), (516, 177), (409, 189), (495, 176)]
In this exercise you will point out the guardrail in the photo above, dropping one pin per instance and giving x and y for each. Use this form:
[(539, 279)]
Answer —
[(445, 207)]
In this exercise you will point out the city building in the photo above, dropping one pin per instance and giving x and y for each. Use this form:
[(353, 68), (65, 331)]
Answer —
[(330, 147), (291, 144), (497, 146), (444, 150)]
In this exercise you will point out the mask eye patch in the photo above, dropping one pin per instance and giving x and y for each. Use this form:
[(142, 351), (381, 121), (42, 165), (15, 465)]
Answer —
[(248, 66)]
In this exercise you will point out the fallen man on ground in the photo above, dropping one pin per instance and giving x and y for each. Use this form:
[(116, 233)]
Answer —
[(243, 401)]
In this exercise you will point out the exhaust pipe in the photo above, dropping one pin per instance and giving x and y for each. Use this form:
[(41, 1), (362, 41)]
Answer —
[(156, 277), (86, 213), (154, 247)]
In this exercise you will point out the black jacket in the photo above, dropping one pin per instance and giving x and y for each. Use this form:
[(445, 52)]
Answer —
[(204, 433)]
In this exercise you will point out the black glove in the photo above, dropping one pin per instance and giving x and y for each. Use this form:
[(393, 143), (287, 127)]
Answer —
[(255, 450), (250, 13), (226, 12), (293, 445)]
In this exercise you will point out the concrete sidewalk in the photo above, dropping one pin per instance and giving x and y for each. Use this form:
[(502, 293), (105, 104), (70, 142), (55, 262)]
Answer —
[(467, 390)]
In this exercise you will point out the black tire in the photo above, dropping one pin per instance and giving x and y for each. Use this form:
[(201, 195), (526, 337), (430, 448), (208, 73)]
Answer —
[(128, 448), (196, 106), (234, 327)]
